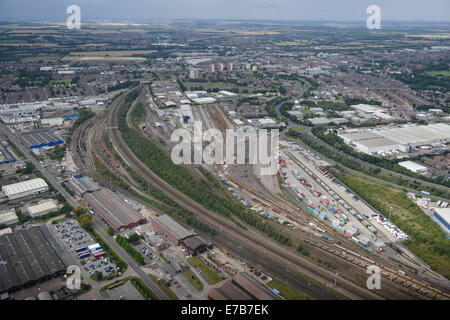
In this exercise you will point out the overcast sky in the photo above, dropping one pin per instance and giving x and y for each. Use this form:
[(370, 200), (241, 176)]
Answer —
[(334, 10)]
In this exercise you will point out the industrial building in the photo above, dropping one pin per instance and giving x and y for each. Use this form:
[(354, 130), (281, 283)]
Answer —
[(6, 155), (171, 229), (81, 185), (114, 210), (40, 139), (27, 258), (42, 208), (25, 188), (403, 138), (8, 217), (442, 217), (196, 245), (413, 166), (242, 287)]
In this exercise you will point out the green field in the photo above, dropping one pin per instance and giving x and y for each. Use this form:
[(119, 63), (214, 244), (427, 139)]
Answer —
[(62, 81), (213, 277), (286, 292), (193, 280), (445, 73), (428, 240)]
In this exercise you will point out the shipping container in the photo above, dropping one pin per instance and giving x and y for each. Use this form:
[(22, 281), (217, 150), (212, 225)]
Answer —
[(100, 254), (93, 246), (81, 249), (86, 255), (83, 252)]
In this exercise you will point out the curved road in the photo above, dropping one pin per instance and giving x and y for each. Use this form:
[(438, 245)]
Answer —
[(258, 242)]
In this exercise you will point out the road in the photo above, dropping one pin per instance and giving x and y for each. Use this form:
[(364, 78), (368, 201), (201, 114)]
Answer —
[(250, 238), (38, 165), (361, 162), (124, 255)]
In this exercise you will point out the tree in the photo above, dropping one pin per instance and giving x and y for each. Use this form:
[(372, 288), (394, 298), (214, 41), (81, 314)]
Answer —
[(111, 231), (85, 221), (79, 211)]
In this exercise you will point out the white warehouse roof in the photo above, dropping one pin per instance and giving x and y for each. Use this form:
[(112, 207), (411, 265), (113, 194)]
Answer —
[(8, 217), (42, 208), (24, 186), (413, 166)]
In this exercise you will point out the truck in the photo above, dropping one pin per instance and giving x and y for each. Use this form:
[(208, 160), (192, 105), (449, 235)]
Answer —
[(83, 253), (84, 256), (99, 254), (82, 249), (425, 193)]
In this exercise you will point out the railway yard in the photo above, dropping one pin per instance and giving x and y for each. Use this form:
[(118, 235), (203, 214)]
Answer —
[(321, 240), (232, 160)]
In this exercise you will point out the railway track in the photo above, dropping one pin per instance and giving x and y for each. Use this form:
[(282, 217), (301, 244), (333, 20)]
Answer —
[(422, 288), (360, 261), (254, 239)]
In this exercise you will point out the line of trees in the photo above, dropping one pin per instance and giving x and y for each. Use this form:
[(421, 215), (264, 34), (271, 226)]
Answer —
[(200, 190), (337, 142), (355, 165), (137, 256)]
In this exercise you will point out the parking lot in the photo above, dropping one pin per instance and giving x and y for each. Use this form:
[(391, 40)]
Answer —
[(73, 239)]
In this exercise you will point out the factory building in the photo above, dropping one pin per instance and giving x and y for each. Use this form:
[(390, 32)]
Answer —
[(171, 229), (28, 258), (82, 185), (404, 138), (42, 208), (119, 214), (442, 217), (242, 287), (40, 139), (8, 217), (6, 155), (25, 188), (413, 166), (196, 245)]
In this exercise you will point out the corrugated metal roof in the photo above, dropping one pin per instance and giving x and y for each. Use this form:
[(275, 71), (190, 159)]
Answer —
[(24, 186), (45, 206)]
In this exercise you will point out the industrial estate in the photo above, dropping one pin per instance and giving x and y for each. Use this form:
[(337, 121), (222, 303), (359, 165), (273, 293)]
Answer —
[(89, 188)]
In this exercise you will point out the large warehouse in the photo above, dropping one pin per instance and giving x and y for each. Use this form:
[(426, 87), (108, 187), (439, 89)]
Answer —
[(113, 209), (42, 208), (242, 287), (442, 216), (27, 257), (8, 217), (25, 188), (171, 229), (402, 138), (40, 139)]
